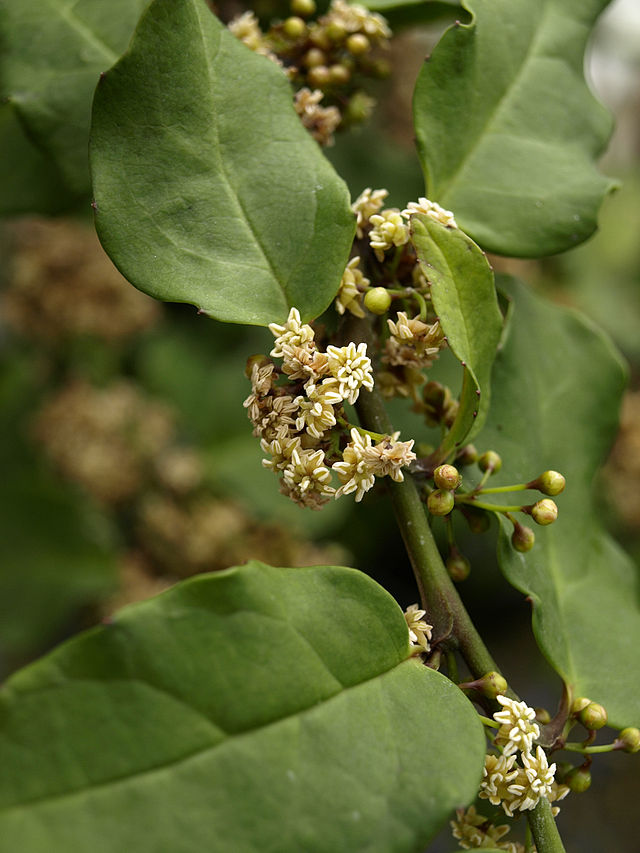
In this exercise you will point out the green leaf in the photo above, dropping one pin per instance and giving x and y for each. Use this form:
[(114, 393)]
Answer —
[(464, 298), (53, 53), (208, 188), (255, 709), (508, 132), (557, 388), (404, 13)]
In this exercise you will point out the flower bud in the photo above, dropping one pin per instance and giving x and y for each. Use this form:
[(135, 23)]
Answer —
[(339, 74), (629, 739), (319, 76), (259, 359), (578, 780), (306, 8), (336, 32), (377, 300), (457, 565), (359, 108), (358, 44), (447, 477), (294, 28), (313, 58), (490, 461), (440, 502), (492, 684), (549, 483), (522, 537), (593, 716), (543, 512), (578, 704), (381, 69), (467, 455), (542, 716), (318, 36), (479, 520)]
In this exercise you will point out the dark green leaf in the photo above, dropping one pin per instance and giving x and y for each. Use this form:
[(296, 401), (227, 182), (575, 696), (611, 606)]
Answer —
[(464, 298), (256, 709), (557, 387), (52, 55), (507, 130), (209, 190)]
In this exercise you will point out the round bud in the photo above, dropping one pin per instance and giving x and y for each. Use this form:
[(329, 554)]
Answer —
[(440, 503), (339, 74), (629, 739), (549, 483), (359, 107), (578, 780), (259, 359), (318, 36), (458, 566), (313, 58), (319, 76), (490, 461), (479, 520), (294, 28), (358, 44), (542, 716), (447, 477), (377, 300), (493, 684), (306, 8), (593, 716), (467, 455), (381, 69), (336, 32), (544, 512), (578, 704), (522, 538)]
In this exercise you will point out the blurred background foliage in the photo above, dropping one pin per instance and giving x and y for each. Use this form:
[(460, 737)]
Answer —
[(127, 458)]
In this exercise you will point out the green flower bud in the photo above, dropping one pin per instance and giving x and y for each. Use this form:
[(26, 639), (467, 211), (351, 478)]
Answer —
[(306, 8), (358, 44), (578, 704), (381, 69), (319, 76), (377, 300), (457, 565), (522, 537), (440, 502), (467, 455), (314, 58), (629, 739), (294, 28), (339, 75), (542, 716), (593, 716), (490, 461), (493, 684), (359, 107), (549, 483), (578, 780), (447, 477), (479, 520), (543, 512), (318, 36), (336, 32)]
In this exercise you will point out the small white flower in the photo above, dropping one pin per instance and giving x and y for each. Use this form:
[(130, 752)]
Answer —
[(367, 203), (517, 727), (498, 774), (305, 478), (389, 229), (389, 456), (430, 208), (294, 333), (419, 630), (316, 412), (351, 368), (540, 776), (353, 471), (280, 450), (352, 287)]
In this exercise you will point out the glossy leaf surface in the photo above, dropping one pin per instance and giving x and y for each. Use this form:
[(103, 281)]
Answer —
[(464, 298), (508, 132), (557, 387), (254, 709), (208, 188), (53, 53)]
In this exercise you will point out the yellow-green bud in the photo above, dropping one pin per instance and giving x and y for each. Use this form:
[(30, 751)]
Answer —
[(578, 780), (259, 359), (522, 538), (314, 57), (339, 74), (359, 107), (306, 8), (440, 502), (549, 483), (358, 44), (467, 455), (578, 704), (336, 32), (377, 300), (490, 461), (319, 76), (447, 477), (593, 716), (458, 566), (294, 28), (542, 716), (629, 739), (493, 684), (544, 512), (381, 68)]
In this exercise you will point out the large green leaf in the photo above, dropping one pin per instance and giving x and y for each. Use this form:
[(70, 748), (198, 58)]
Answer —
[(256, 709), (508, 132), (208, 188), (402, 13), (557, 386), (53, 52), (464, 297)]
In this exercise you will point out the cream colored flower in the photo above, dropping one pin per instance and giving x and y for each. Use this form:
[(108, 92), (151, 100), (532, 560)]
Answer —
[(353, 472), (540, 778), (304, 362), (275, 414), (367, 203), (413, 343), (389, 229), (517, 727), (316, 412), (352, 287), (419, 631), (475, 831), (280, 449), (351, 369), (306, 480), (499, 773), (321, 122), (389, 456), (293, 333), (430, 208), (357, 19), (246, 28)]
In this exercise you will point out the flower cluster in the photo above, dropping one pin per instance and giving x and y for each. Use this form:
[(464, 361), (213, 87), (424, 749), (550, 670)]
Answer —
[(475, 831), (301, 422), (412, 342), (419, 630)]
